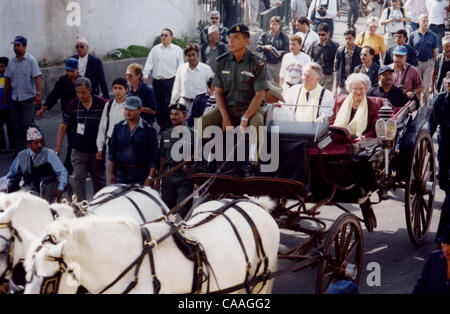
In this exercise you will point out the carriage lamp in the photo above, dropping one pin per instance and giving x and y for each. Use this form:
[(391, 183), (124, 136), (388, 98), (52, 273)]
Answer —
[(386, 129)]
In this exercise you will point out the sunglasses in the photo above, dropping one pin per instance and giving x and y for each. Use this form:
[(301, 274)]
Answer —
[(164, 35), (364, 54), (322, 34), (213, 18), (79, 46)]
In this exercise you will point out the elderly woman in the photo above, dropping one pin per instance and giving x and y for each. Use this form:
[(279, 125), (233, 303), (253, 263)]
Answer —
[(372, 39), (356, 112)]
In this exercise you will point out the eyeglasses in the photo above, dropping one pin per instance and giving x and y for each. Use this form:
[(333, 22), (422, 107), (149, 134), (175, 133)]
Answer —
[(164, 35), (214, 18), (79, 46), (322, 34), (364, 54)]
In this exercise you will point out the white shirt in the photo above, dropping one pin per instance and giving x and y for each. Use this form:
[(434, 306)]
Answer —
[(190, 83), (331, 11), (116, 115), (436, 11), (163, 62), (414, 8), (326, 108), (308, 39), (292, 67), (82, 64), (300, 8), (393, 26)]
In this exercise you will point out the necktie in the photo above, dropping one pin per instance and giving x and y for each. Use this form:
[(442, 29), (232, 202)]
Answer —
[(307, 96)]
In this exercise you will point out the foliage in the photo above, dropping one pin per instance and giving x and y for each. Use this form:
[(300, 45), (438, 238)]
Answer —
[(131, 52)]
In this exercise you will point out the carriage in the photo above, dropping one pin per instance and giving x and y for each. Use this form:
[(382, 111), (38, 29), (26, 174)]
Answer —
[(322, 165)]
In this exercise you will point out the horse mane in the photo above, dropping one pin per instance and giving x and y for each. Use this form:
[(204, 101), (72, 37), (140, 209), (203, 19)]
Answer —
[(18, 201)]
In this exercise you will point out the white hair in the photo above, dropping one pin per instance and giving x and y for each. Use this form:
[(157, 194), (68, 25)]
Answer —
[(214, 12), (423, 15), (373, 20), (315, 67), (213, 28), (355, 78)]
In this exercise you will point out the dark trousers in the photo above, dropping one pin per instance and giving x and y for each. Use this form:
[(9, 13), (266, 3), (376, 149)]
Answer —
[(330, 23), (230, 11), (68, 160), (174, 189), (353, 14), (163, 93), (22, 113), (444, 220), (5, 118), (439, 30)]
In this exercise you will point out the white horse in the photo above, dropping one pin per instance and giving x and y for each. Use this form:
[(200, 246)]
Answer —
[(97, 250), (24, 212)]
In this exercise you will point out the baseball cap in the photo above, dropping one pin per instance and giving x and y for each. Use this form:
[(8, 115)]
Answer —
[(71, 64), (384, 68), (133, 103), (400, 50), (19, 40)]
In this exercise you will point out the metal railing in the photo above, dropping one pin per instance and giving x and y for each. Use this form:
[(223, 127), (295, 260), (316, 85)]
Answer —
[(283, 11)]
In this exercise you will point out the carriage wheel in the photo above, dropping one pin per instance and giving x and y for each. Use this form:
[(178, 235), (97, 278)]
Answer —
[(420, 189), (343, 250)]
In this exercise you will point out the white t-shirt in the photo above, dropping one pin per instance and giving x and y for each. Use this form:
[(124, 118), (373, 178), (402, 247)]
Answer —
[(393, 26), (292, 67), (436, 11), (82, 64), (163, 62), (116, 114), (308, 39)]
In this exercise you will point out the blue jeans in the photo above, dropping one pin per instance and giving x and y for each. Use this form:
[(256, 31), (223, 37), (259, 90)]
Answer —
[(330, 23), (414, 26), (439, 30)]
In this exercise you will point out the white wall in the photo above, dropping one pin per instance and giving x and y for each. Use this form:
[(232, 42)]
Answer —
[(107, 24)]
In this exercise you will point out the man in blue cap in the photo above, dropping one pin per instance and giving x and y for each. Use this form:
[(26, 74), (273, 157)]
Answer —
[(133, 147), (23, 76), (387, 89), (64, 91)]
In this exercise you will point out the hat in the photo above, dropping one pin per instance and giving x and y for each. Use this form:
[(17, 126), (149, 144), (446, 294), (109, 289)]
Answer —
[(343, 287), (180, 107), (19, 40), (447, 78), (71, 64), (239, 28), (33, 134), (400, 50), (275, 90), (445, 40), (385, 68), (133, 103), (445, 235), (81, 39), (212, 29)]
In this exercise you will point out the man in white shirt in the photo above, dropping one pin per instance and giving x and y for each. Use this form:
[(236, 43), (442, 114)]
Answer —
[(293, 63), (309, 101), (393, 19), (323, 11), (436, 15), (163, 62), (192, 78), (308, 35)]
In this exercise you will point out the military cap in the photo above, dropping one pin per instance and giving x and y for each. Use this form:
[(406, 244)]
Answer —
[(239, 28), (178, 107)]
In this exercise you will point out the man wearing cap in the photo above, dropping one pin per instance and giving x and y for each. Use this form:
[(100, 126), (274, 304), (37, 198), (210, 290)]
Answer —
[(176, 186), (214, 20), (387, 89), (212, 49), (425, 46), (401, 38), (39, 167), (440, 116), (441, 67), (406, 76), (240, 84), (133, 147), (83, 116), (435, 274), (23, 76), (91, 67)]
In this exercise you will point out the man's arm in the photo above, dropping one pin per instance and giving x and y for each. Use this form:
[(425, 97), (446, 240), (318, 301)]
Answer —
[(220, 100), (102, 80), (59, 169), (37, 98), (433, 78), (52, 99), (112, 172), (60, 137), (255, 104), (148, 67), (5, 91), (176, 90)]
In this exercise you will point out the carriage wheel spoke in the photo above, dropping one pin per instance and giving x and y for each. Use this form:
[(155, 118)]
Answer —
[(347, 247), (425, 167), (417, 227), (341, 244)]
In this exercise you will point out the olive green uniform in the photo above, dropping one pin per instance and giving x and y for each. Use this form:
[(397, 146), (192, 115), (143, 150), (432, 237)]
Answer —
[(240, 82), (177, 186)]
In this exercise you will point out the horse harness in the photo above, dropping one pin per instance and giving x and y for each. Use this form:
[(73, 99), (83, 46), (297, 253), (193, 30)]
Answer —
[(192, 249)]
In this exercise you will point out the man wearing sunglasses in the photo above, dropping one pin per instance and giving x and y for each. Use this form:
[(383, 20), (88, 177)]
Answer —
[(39, 167), (91, 67), (214, 19)]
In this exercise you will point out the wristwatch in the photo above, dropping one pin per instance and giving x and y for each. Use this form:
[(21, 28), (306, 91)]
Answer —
[(244, 119)]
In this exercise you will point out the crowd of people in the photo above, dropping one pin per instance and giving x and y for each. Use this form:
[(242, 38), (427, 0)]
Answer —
[(305, 70)]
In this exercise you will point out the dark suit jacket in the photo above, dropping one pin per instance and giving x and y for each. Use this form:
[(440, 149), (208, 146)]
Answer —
[(372, 74), (339, 64), (95, 73), (374, 105)]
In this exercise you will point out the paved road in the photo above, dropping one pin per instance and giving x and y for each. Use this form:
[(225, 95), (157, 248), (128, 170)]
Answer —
[(400, 262)]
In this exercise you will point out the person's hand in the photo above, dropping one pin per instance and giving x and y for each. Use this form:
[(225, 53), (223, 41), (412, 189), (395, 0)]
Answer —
[(226, 123), (157, 185), (145, 80), (112, 178), (268, 47), (58, 195), (58, 150), (410, 95), (99, 155), (243, 125), (149, 182), (431, 90), (37, 100), (40, 112)]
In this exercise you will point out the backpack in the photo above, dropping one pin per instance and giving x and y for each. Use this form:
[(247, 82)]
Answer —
[(402, 9)]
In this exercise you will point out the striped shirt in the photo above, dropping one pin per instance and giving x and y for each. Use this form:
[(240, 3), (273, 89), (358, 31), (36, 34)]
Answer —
[(84, 123)]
